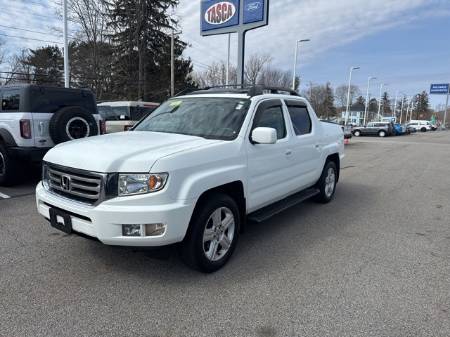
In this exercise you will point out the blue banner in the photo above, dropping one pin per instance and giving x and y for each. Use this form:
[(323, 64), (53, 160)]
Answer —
[(216, 14), (439, 89), (253, 11)]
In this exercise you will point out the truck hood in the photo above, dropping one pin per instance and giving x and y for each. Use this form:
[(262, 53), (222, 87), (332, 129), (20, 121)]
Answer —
[(135, 151)]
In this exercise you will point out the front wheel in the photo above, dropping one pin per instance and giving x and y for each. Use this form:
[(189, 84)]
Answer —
[(382, 133), (327, 183), (212, 235), (357, 133), (423, 129)]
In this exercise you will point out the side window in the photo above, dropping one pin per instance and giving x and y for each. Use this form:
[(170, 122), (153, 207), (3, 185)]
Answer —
[(300, 119), (271, 117), (11, 100)]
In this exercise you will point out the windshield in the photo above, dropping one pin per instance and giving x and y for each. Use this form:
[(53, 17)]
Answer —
[(212, 118)]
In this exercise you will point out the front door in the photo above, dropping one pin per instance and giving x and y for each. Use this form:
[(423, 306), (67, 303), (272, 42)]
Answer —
[(269, 164)]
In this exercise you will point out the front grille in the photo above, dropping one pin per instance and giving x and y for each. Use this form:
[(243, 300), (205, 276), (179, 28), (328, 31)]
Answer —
[(82, 186)]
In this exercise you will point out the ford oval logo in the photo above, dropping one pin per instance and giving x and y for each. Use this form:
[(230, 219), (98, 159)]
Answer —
[(220, 13), (254, 6)]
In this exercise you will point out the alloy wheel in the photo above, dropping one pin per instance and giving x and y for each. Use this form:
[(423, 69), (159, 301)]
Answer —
[(330, 182), (218, 234)]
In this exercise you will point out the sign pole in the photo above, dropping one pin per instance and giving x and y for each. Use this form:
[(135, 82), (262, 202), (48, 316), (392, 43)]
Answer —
[(241, 58), (234, 16)]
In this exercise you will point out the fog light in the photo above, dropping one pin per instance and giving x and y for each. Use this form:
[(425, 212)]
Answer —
[(131, 230), (155, 229)]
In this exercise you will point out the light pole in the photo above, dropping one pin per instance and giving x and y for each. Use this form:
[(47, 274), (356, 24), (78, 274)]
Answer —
[(379, 103), (227, 76), (367, 97), (348, 93), (296, 60), (401, 109), (66, 46), (394, 114)]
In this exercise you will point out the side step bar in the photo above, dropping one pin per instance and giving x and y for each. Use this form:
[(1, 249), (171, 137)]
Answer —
[(269, 211)]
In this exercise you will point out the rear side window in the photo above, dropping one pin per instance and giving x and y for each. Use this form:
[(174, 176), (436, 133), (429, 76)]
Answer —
[(53, 99), (11, 100), (300, 119), (271, 117)]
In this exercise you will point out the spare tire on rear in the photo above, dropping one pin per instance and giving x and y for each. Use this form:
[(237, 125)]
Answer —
[(71, 123)]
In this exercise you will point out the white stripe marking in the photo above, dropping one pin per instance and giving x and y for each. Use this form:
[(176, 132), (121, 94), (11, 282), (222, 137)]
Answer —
[(4, 196)]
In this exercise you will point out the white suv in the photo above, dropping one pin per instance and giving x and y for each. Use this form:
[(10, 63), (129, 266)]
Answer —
[(33, 119), (193, 172), (420, 125)]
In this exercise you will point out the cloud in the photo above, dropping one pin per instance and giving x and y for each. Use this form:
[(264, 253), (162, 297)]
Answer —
[(328, 23)]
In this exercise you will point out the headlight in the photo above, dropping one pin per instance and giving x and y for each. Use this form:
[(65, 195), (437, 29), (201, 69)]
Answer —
[(45, 178), (133, 184)]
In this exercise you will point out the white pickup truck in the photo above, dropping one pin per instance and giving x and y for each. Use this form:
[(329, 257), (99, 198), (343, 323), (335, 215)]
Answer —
[(193, 172)]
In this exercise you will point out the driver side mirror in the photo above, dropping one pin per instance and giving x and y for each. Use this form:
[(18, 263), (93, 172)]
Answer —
[(264, 136)]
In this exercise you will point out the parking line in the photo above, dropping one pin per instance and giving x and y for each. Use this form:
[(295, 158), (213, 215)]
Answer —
[(4, 196)]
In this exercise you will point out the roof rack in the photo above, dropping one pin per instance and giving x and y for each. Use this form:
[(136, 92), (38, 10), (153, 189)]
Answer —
[(238, 89)]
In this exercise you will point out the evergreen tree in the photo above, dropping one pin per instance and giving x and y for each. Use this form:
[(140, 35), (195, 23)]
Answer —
[(141, 37), (328, 103), (386, 105), (360, 100), (422, 106), (46, 64)]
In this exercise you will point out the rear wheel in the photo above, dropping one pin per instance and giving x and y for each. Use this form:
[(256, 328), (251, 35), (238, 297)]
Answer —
[(327, 183), (357, 133), (423, 129), (9, 168), (212, 235), (382, 133)]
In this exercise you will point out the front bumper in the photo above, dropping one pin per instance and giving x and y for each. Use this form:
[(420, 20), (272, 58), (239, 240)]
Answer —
[(105, 221)]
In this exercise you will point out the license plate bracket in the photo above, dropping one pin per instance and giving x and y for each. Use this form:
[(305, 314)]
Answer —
[(60, 220)]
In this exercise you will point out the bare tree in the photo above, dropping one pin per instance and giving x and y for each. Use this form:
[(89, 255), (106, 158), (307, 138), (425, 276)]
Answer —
[(341, 93), (18, 70), (215, 75), (254, 66), (273, 77)]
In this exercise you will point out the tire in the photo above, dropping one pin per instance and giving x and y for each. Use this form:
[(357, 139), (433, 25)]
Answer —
[(357, 133), (70, 123), (423, 129), (197, 251), (382, 133), (327, 183), (10, 170)]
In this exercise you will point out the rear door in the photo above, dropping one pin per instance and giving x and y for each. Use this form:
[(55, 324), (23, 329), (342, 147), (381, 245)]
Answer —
[(306, 151)]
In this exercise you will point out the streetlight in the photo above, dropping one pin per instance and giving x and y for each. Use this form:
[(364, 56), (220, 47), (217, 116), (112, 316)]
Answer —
[(379, 103), (401, 109), (348, 93), (296, 60), (66, 46), (367, 97), (395, 106)]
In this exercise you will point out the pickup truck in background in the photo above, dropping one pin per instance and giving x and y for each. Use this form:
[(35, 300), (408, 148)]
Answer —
[(193, 172)]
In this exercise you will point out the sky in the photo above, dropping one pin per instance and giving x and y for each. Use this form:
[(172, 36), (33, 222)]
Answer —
[(404, 43)]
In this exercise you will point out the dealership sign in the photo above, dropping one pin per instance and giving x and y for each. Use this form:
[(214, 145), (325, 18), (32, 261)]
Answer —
[(439, 89), (232, 16)]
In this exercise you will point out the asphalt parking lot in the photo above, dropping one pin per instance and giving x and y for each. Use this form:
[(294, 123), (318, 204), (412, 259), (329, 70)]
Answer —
[(375, 262)]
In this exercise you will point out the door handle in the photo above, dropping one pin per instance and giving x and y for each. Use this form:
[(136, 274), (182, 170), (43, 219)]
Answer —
[(289, 153)]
